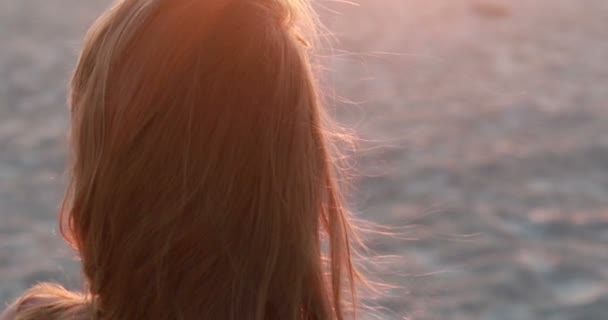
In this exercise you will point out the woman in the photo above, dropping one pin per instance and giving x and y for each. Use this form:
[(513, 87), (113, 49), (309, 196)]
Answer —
[(201, 179)]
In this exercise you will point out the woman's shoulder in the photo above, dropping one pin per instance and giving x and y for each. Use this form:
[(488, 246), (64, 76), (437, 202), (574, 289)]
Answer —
[(24, 303), (10, 313), (46, 301), (27, 302)]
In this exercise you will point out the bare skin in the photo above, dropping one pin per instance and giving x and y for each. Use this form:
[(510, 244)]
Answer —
[(9, 313)]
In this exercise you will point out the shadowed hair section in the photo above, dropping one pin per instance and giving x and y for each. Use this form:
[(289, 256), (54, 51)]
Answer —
[(202, 182)]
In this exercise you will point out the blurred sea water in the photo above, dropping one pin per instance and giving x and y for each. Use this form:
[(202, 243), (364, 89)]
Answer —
[(483, 141)]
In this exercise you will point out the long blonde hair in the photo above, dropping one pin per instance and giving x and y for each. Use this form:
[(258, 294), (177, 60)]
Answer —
[(202, 182)]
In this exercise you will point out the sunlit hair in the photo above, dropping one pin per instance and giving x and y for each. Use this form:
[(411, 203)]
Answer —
[(202, 181)]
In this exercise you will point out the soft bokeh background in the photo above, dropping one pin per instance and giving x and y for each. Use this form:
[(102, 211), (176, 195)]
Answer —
[(484, 133)]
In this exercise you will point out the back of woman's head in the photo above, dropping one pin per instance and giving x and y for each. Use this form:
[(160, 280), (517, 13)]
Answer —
[(201, 184)]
